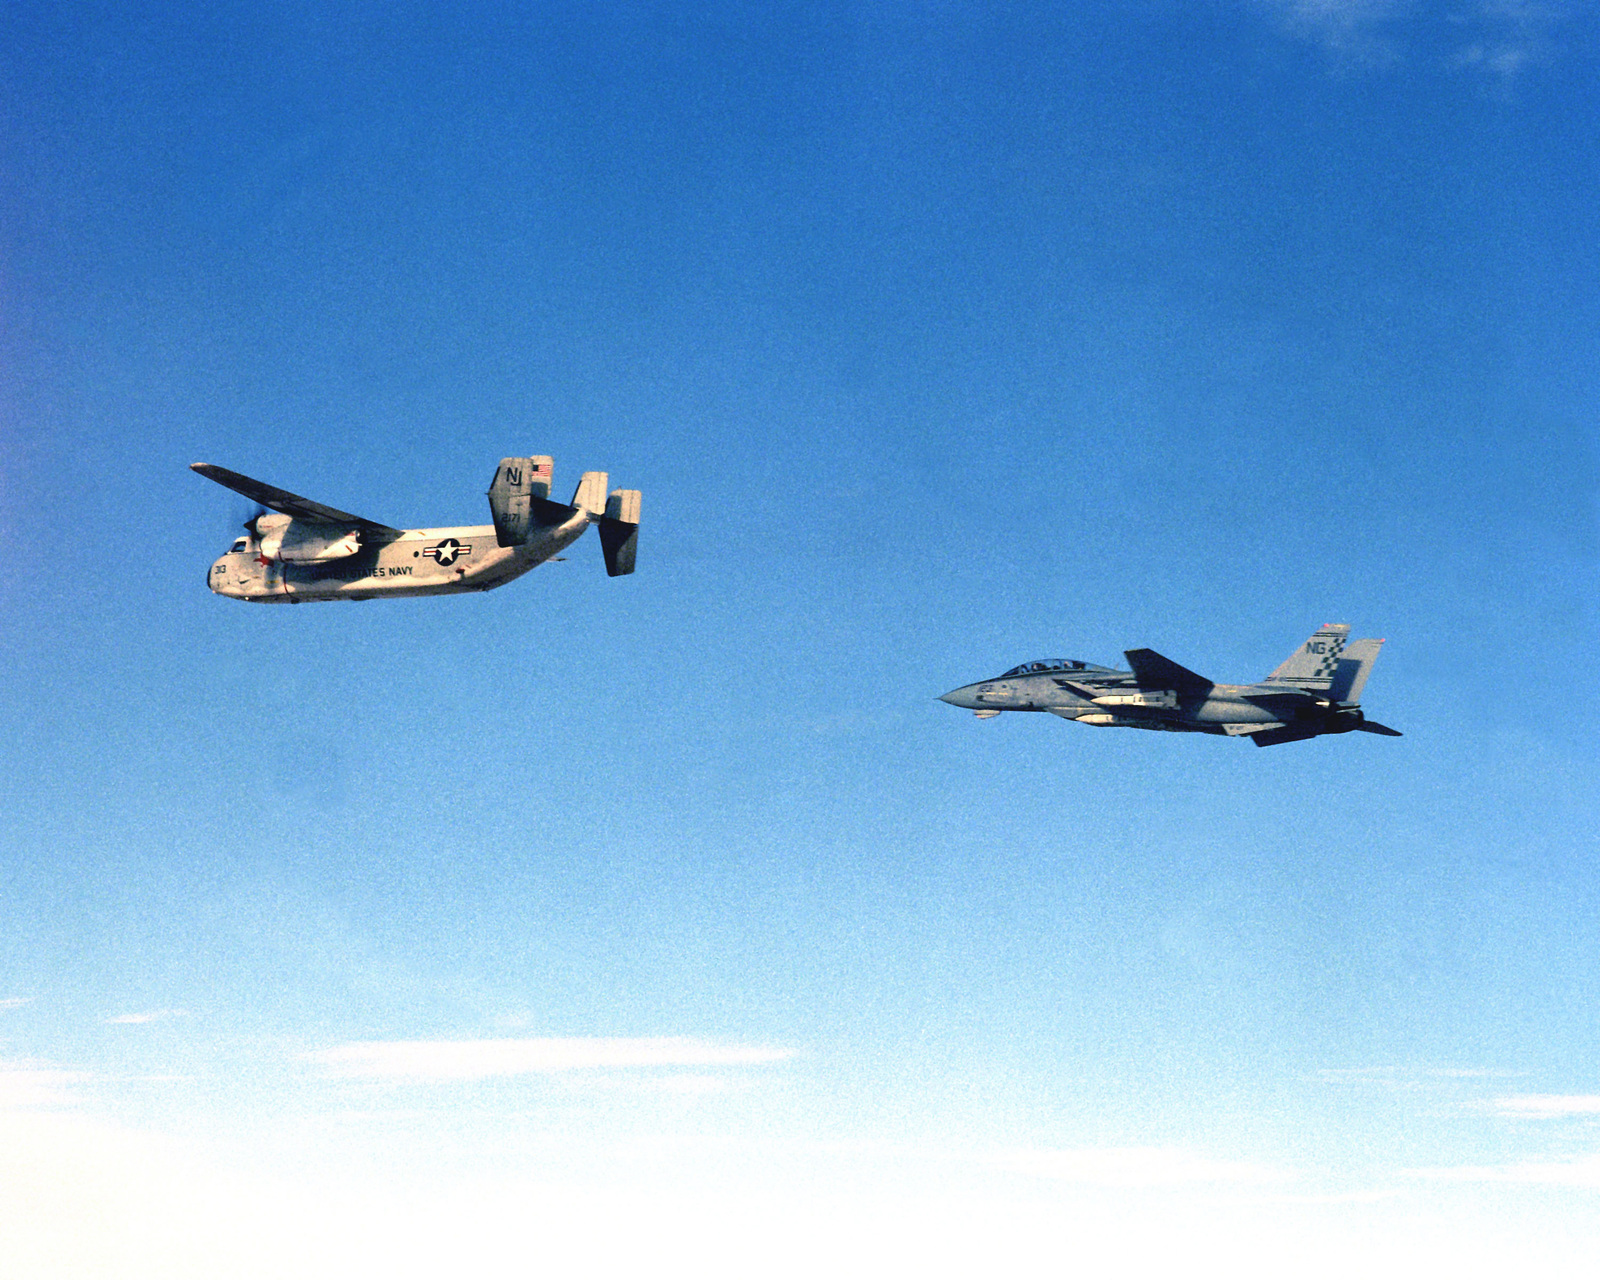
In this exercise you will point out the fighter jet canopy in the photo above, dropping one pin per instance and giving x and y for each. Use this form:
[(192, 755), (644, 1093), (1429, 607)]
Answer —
[(1052, 664)]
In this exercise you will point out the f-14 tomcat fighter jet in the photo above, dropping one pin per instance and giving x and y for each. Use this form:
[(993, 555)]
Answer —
[(296, 549), (1317, 691)]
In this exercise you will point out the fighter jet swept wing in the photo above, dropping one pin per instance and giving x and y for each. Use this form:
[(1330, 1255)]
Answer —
[(1155, 672), (291, 504)]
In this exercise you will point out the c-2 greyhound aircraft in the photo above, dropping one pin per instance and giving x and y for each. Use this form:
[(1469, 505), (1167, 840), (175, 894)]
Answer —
[(296, 549), (1316, 691)]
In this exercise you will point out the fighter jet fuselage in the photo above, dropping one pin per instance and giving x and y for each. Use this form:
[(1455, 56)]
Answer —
[(1316, 691)]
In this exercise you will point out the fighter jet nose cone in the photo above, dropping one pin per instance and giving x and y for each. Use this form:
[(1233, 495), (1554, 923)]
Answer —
[(957, 698)]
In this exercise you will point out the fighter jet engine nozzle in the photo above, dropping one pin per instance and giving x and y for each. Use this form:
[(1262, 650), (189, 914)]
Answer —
[(1344, 720)]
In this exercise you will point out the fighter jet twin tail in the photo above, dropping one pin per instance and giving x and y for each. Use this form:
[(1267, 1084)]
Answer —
[(296, 549), (1316, 691)]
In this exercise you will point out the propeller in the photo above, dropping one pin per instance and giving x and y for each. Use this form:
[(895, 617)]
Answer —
[(270, 563), (245, 515)]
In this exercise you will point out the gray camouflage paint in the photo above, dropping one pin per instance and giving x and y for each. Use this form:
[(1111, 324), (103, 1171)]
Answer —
[(1316, 691)]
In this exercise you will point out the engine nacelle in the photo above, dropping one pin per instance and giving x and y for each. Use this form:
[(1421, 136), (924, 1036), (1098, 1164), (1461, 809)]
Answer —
[(303, 542)]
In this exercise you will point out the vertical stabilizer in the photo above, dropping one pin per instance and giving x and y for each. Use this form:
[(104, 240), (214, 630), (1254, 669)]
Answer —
[(619, 531), (1355, 665), (1313, 664), (517, 483), (590, 495)]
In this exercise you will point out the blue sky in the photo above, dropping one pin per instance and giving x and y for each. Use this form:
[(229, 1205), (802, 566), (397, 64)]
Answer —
[(672, 911)]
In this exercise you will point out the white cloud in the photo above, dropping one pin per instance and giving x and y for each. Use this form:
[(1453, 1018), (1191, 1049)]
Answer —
[(1583, 1171), (1403, 1079), (1547, 1106), (1361, 1195), (1359, 1075), (1472, 1073), (1133, 1166), (30, 1084), (1351, 30), (1499, 38), (154, 1015), (14, 1002), (481, 1059)]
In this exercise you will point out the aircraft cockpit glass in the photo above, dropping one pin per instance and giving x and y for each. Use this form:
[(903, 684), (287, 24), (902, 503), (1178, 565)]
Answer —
[(243, 544), (1051, 664)]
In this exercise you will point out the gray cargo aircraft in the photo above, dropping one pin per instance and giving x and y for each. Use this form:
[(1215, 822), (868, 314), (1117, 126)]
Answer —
[(1317, 691), (296, 549)]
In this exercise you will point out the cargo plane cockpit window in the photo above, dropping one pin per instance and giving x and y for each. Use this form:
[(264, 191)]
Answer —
[(241, 545)]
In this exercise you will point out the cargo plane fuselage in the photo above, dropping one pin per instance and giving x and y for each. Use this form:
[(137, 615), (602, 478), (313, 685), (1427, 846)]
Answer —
[(297, 550)]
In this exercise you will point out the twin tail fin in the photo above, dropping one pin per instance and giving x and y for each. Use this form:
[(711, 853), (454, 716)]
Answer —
[(519, 497), (1314, 665)]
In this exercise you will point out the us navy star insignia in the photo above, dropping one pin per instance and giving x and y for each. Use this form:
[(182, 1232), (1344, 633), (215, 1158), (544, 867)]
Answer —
[(446, 550)]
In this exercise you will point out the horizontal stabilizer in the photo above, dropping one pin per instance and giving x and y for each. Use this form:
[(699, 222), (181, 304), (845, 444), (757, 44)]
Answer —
[(1372, 726), (290, 504), (1155, 672), (590, 494), (546, 512)]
